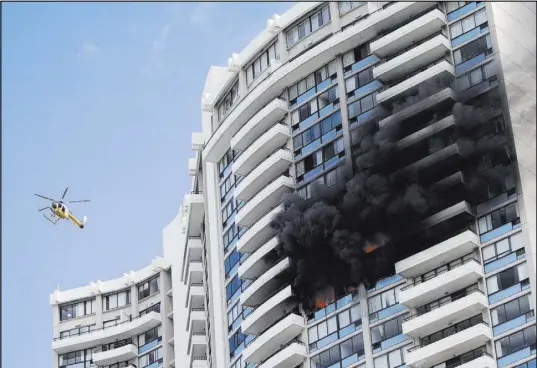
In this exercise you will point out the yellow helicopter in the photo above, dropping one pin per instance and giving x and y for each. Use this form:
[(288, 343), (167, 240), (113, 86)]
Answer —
[(58, 211)]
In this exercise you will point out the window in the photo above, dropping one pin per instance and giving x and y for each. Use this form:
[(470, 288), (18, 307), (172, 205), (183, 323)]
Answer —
[(318, 158), (346, 6), (117, 300), (454, 5), (79, 309), (231, 260), (446, 299), (467, 24), (228, 209), (225, 161), (473, 49), (502, 248), (224, 107), (311, 109), (82, 358), (226, 186), (476, 76), (152, 357), (494, 220), (358, 80), (148, 288), (308, 25), (363, 105), (233, 286), (119, 365), (229, 235), (262, 62), (322, 329), (351, 315), (507, 278), (353, 56), (150, 336), (511, 310), (384, 300), (153, 308), (326, 129), (515, 342), (442, 269), (313, 83), (328, 358), (393, 359), (235, 342), (386, 331), (116, 344)]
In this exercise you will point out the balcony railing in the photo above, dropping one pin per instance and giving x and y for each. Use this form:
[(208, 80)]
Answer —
[(449, 331), (437, 304), (131, 318), (414, 45), (515, 322), (468, 358), (507, 292), (441, 270)]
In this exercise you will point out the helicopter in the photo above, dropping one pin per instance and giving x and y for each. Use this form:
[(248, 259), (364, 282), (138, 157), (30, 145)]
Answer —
[(59, 211)]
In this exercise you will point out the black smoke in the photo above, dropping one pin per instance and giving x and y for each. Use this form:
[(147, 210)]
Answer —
[(355, 231)]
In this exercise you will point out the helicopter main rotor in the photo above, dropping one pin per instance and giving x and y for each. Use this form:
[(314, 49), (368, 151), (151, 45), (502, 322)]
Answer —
[(59, 201)]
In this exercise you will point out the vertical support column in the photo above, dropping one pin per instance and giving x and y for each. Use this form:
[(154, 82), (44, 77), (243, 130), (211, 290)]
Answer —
[(134, 300), (282, 42), (166, 308), (344, 114), (55, 332), (334, 16), (99, 312), (366, 332)]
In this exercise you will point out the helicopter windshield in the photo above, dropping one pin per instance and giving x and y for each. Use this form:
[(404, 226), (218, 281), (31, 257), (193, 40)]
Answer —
[(53, 205)]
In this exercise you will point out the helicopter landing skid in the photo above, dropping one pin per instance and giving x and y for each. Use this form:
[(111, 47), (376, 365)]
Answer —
[(54, 219)]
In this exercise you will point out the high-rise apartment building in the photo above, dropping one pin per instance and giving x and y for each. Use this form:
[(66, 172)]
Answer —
[(286, 113), (125, 322)]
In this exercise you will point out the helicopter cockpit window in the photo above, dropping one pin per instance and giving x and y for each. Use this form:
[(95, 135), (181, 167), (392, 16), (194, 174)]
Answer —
[(54, 205)]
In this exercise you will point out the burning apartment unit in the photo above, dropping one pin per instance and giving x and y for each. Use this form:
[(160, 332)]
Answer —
[(368, 175)]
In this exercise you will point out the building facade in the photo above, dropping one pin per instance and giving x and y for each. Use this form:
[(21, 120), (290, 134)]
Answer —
[(285, 113), (125, 322)]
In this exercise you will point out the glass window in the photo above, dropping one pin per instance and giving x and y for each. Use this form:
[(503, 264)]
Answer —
[(456, 29), (308, 25)]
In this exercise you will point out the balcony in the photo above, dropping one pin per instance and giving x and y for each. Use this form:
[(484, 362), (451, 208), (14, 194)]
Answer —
[(443, 281), (193, 205), (426, 133), (194, 249), (454, 341), (273, 166), (196, 321), (475, 359), (270, 341), (435, 101), (120, 354), (194, 273), (264, 316), (256, 264), (197, 345), (408, 34), (289, 357), (259, 290), (108, 335), (264, 201), (445, 314), (262, 121), (195, 296), (406, 62), (198, 361), (259, 233), (296, 69), (439, 69), (436, 256)]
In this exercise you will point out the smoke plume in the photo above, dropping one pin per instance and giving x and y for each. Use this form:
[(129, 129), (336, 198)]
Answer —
[(355, 231)]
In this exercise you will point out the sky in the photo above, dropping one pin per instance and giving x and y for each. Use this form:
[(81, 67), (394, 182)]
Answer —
[(100, 98)]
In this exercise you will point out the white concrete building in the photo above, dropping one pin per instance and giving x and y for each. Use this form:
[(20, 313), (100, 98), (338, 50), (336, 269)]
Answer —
[(282, 115), (125, 322)]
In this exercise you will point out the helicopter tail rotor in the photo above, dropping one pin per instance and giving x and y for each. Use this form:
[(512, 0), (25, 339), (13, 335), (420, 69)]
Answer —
[(84, 220)]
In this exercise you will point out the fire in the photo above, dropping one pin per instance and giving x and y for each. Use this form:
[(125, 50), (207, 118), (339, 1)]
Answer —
[(369, 247)]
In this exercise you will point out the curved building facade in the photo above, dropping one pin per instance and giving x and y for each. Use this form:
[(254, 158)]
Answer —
[(125, 322), (285, 113)]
